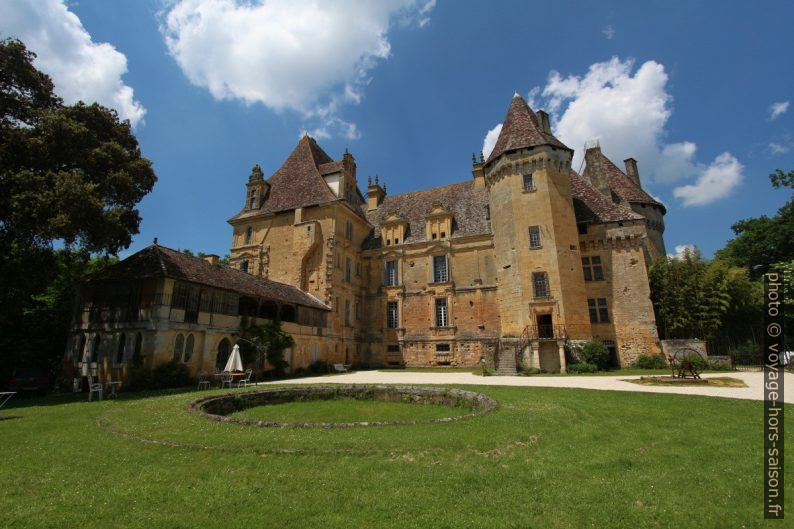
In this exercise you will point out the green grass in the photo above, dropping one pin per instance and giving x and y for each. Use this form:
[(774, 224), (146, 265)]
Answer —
[(548, 457), (347, 410)]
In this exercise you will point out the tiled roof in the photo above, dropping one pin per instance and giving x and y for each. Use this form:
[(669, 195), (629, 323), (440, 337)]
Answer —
[(621, 184), (299, 182), (467, 205), (159, 261), (521, 128), (590, 204)]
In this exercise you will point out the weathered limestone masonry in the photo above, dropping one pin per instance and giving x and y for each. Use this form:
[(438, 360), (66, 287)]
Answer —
[(525, 257)]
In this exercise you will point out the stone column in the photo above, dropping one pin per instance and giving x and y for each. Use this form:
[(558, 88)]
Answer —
[(561, 345), (534, 358)]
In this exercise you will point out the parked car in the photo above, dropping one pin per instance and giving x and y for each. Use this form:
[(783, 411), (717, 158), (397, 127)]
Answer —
[(29, 380)]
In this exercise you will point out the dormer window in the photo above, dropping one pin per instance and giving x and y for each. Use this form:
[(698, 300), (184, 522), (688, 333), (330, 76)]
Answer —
[(393, 229), (252, 200), (438, 222)]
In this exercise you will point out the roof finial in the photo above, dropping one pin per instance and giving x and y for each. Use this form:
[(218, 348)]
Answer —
[(155, 241), (473, 158), (516, 94), (376, 178), (369, 180), (346, 151), (384, 188), (482, 157)]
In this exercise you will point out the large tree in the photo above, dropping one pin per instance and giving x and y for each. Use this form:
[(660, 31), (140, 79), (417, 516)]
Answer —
[(763, 241), (71, 177)]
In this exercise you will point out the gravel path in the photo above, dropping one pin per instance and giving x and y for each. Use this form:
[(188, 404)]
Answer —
[(753, 391)]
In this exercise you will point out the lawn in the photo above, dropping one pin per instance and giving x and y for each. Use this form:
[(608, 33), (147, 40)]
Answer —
[(718, 382), (548, 458)]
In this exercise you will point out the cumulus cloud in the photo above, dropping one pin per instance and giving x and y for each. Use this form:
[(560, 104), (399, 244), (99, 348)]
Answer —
[(80, 68), (715, 182), (681, 250), (627, 110), (490, 140), (777, 109), (300, 55)]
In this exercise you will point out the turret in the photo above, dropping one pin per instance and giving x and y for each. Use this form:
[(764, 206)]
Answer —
[(256, 189)]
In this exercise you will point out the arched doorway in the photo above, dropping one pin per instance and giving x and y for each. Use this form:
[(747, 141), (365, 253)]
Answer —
[(136, 352), (224, 349)]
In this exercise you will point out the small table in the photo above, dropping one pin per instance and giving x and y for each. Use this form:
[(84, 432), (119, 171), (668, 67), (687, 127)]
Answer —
[(113, 386), (5, 396)]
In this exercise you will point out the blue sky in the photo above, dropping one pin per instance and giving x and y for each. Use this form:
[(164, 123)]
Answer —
[(697, 92)]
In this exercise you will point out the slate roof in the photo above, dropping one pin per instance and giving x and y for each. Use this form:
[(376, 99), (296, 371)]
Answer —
[(623, 186), (520, 129), (591, 205), (159, 261), (467, 205), (299, 182)]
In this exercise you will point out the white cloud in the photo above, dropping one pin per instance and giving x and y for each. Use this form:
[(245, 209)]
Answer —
[(778, 148), (609, 32), (80, 68), (627, 110), (777, 109), (490, 140), (681, 250), (716, 182), (301, 55)]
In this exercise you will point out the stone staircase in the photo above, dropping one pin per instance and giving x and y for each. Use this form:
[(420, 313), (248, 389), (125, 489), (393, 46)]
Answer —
[(505, 361)]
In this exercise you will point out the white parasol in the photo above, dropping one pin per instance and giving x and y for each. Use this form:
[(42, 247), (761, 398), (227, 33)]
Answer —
[(235, 363)]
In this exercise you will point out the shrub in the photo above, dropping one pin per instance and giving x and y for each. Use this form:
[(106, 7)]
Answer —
[(596, 353), (320, 366), (582, 367), (651, 362), (138, 379), (170, 375), (530, 371)]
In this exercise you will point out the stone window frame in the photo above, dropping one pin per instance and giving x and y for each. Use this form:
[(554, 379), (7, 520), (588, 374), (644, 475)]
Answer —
[(392, 314), (249, 235), (387, 279), (441, 311), (348, 318), (599, 310), (349, 230), (540, 285), (244, 265), (440, 274), (393, 348), (593, 268), (535, 241), (528, 183), (348, 269)]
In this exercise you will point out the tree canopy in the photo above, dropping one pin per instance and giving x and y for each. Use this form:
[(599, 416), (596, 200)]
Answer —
[(68, 174), (71, 177)]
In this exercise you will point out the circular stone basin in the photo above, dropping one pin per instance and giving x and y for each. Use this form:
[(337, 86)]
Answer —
[(225, 407)]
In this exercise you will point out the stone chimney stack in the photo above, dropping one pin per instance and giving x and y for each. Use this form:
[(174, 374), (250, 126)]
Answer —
[(212, 259), (375, 194), (544, 122), (631, 171), (596, 171)]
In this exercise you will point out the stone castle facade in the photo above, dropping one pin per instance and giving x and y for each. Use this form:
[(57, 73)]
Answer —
[(526, 256)]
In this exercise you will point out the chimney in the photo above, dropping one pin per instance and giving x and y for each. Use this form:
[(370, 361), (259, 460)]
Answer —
[(212, 259), (632, 172), (375, 194), (544, 122), (595, 170)]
